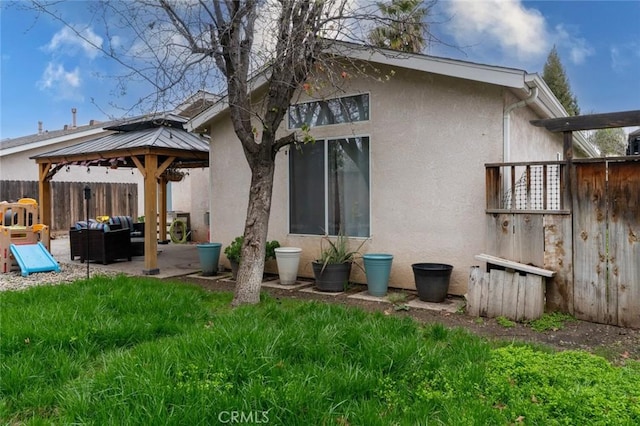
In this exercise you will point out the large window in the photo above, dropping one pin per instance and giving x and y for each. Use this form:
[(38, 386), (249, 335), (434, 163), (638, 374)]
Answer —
[(332, 111), (329, 188)]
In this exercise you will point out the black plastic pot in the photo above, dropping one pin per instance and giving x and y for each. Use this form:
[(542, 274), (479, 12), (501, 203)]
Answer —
[(334, 277), (432, 281)]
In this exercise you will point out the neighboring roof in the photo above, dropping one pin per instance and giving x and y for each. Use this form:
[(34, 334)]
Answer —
[(519, 81), (46, 138), (196, 103)]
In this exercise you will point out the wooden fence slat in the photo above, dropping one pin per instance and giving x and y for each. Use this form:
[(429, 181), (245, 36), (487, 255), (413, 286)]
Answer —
[(534, 297), (528, 238), (589, 224), (624, 244), (484, 293), (496, 287), (510, 295), (558, 256), (522, 292), (68, 199), (474, 290)]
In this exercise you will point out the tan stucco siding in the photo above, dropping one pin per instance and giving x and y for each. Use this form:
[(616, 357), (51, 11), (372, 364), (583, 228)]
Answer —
[(430, 137), (528, 142)]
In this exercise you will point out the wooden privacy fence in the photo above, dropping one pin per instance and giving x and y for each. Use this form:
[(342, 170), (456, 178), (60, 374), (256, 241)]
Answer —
[(68, 204), (587, 231)]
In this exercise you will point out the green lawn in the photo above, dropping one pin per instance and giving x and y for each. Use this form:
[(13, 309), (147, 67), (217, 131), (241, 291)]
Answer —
[(140, 351)]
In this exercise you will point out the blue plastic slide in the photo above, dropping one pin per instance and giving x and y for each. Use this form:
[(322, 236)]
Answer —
[(34, 258)]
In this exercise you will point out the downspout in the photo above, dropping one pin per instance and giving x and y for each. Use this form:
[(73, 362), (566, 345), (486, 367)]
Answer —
[(506, 123), (506, 139)]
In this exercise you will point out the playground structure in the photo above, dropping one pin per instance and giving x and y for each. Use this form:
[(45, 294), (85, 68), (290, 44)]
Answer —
[(23, 239)]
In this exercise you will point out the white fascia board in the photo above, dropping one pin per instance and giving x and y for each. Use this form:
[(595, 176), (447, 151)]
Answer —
[(508, 77), (46, 142), (551, 107)]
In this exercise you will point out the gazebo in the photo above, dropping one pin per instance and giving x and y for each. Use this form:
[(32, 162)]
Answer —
[(157, 146)]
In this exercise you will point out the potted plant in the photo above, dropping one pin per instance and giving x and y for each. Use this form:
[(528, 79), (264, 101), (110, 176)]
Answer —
[(333, 268), (233, 251)]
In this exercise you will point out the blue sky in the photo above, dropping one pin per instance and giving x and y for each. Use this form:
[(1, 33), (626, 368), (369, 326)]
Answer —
[(45, 70)]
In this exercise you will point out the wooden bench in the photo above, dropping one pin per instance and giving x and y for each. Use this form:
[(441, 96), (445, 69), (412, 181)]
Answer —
[(517, 292)]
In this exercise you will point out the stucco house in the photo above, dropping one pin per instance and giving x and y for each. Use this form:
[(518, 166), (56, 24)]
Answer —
[(398, 161)]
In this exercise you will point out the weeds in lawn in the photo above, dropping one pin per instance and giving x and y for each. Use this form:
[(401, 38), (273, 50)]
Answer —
[(138, 351), (550, 322), (505, 322)]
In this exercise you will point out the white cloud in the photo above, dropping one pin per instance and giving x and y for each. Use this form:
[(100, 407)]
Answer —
[(519, 32), (579, 48), (64, 84), (70, 40), (625, 56)]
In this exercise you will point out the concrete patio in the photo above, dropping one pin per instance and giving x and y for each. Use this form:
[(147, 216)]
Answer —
[(173, 259)]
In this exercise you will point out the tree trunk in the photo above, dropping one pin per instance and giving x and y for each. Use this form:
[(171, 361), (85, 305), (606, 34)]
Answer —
[(251, 270)]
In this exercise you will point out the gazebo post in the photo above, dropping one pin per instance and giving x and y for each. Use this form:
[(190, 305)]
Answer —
[(163, 208), (150, 215), (44, 193)]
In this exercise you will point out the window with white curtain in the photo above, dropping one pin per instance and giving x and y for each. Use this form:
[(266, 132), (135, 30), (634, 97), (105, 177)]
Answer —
[(329, 187)]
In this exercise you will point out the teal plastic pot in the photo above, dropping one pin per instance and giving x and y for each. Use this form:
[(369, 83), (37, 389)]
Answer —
[(377, 267), (209, 254)]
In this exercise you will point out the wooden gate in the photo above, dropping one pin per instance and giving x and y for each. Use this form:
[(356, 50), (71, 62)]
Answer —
[(590, 238), (606, 242)]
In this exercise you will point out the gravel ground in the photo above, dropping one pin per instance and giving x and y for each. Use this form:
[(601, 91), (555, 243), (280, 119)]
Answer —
[(68, 273)]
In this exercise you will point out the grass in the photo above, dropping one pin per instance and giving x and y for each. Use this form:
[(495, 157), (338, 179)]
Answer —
[(551, 322), (139, 351)]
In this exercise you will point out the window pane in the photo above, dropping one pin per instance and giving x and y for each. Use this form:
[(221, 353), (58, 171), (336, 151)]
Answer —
[(332, 111), (349, 187), (306, 189)]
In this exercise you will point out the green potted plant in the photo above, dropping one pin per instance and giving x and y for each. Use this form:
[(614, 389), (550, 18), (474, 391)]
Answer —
[(234, 250), (333, 268)]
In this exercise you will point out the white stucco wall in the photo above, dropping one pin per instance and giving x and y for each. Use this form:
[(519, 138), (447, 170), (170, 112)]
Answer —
[(430, 137), (192, 195)]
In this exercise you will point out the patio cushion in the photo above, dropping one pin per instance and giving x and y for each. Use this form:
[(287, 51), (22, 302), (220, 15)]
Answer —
[(82, 224), (124, 221)]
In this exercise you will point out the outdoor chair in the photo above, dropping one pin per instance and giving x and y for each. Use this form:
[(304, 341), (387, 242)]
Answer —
[(105, 245)]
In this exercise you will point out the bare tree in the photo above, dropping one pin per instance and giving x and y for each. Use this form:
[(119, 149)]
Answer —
[(182, 46)]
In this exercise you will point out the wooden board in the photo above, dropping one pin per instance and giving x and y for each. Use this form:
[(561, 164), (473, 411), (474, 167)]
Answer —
[(534, 296), (558, 250), (589, 257), (500, 235), (474, 289), (514, 265), (624, 242), (528, 236), (510, 296), (496, 288)]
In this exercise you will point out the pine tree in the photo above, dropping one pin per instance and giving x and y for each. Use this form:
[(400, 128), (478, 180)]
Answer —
[(556, 78), (611, 142), (402, 26)]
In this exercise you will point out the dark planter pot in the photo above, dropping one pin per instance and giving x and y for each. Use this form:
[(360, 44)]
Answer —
[(234, 269), (432, 281), (334, 277)]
